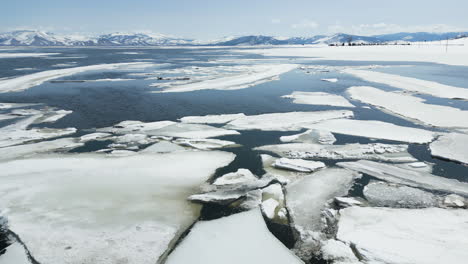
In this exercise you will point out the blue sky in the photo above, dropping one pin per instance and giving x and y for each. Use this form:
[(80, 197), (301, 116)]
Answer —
[(208, 19)]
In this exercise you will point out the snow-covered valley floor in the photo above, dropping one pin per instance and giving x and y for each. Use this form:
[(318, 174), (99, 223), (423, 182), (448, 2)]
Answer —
[(234, 155)]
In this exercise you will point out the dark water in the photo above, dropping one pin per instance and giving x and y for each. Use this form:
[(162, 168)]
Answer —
[(101, 104)]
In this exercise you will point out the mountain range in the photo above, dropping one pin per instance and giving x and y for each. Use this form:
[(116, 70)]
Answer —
[(40, 38)]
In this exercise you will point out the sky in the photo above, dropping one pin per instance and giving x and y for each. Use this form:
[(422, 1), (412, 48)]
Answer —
[(211, 19)]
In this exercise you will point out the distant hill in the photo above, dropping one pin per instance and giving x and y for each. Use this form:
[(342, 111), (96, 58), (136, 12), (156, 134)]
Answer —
[(40, 38)]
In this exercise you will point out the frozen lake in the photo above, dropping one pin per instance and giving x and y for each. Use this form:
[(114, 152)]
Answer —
[(159, 84)]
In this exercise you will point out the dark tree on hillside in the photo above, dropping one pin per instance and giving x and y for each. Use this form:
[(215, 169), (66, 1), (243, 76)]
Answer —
[(349, 40)]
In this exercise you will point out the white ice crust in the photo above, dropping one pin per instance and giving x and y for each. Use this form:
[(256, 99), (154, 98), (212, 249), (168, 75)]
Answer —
[(412, 236), (90, 208), (239, 238)]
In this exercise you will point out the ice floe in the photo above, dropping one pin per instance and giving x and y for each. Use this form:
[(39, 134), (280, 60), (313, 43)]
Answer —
[(332, 80), (319, 98), (453, 200), (291, 121), (4, 106), (239, 238), (375, 151), (412, 84), (451, 146), (413, 236), (344, 202), (232, 187), (26, 150), (384, 194), (211, 119), (204, 144), (162, 147), (253, 75), (14, 254), (311, 136), (238, 177), (283, 176), (90, 208), (419, 179), (27, 81), (273, 203), (376, 130), (337, 252), (19, 132), (24, 55), (411, 107), (298, 165), (307, 197), (168, 129), (95, 136)]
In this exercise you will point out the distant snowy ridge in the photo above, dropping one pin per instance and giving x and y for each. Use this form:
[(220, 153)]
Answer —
[(40, 38)]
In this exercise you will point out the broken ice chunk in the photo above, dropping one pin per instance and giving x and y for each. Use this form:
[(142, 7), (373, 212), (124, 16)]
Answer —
[(238, 177), (337, 252), (451, 146), (376, 130), (269, 207), (27, 150), (211, 119), (298, 165), (14, 254), (384, 194), (94, 136), (414, 178), (204, 144), (344, 202), (311, 136), (245, 233), (454, 200), (376, 151), (162, 147), (412, 236), (307, 197), (291, 121), (319, 98), (92, 208)]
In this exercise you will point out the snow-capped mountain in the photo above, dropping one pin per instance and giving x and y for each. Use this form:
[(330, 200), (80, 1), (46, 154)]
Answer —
[(140, 39), (39, 38), (33, 38)]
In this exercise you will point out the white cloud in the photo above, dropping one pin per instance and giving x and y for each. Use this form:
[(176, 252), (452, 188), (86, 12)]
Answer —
[(305, 24), (384, 28), (276, 21)]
